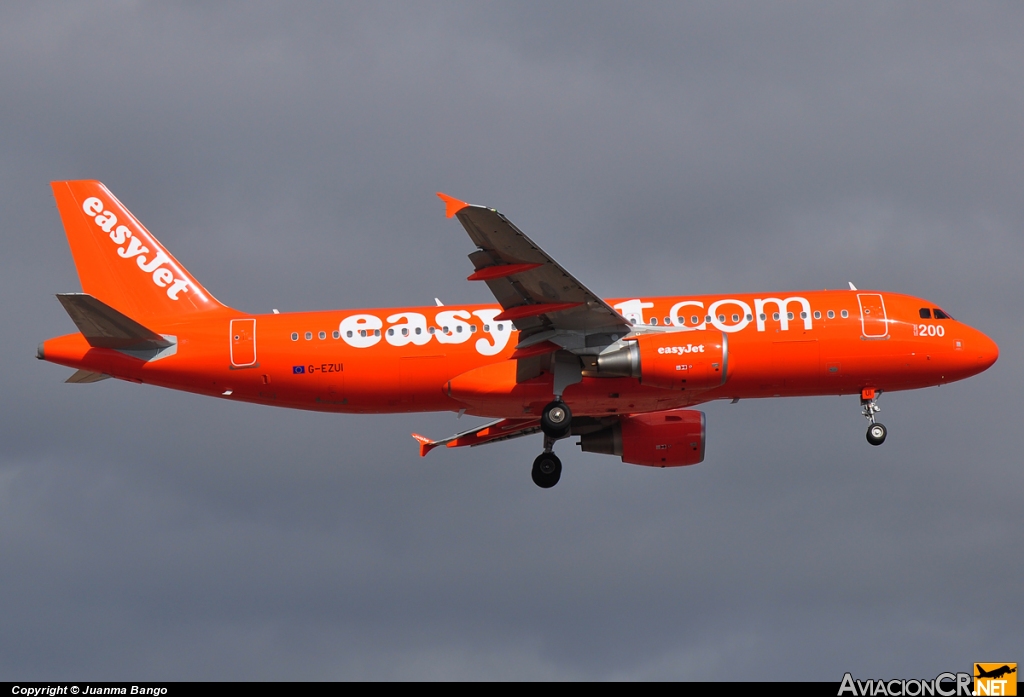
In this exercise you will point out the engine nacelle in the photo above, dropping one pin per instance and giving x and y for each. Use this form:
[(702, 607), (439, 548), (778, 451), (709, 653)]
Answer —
[(662, 439), (670, 360)]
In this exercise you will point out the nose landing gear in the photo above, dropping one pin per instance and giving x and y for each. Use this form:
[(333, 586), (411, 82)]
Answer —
[(869, 407), (876, 434)]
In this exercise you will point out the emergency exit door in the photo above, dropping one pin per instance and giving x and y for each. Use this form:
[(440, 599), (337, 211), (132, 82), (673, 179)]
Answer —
[(243, 342)]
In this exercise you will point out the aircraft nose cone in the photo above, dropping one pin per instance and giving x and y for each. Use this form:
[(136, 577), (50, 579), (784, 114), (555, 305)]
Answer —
[(986, 351)]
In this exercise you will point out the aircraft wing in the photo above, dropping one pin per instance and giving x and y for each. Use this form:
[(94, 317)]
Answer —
[(542, 300), (502, 429)]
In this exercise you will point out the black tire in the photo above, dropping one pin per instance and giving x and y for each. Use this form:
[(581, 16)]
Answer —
[(547, 470), (876, 434), (556, 420)]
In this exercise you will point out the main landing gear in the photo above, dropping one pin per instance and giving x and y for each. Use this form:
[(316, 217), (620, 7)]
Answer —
[(876, 431), (547, 469), (556, 422)]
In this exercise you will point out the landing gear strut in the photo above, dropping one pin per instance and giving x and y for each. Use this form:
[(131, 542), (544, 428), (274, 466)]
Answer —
[(876, 431)]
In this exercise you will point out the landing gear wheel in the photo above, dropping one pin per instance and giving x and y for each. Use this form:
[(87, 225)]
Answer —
[(556, 420), (876, 434), (869, 407), (547, 470)]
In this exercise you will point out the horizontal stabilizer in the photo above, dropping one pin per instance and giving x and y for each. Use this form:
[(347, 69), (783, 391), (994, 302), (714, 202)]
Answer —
[(104, 327), (82, 377)]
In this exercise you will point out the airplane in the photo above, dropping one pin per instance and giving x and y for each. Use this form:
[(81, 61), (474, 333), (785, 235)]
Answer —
[(550, 356), (995, 673)]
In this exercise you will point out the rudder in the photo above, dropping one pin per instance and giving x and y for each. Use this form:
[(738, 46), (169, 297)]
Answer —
[(119, 261)]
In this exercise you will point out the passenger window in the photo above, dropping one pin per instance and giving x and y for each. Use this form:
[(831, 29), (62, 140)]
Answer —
[(775, 316), (735, 318), (668, 321), (376, 332), (803, 315), (749, 317), (925, 313), (472, 329), (763, 316), (721, 318), (939, 314), (391, 332), (323, 335), (309, 336), (817, 314), (295, 336), (458, 329), (430, 330), (831, 314), (336, 334), (654, 321), (694, 319), (845, 314), (789, 315), (349, 333), (707, 318), (419, 330), (405, 331), (501, 327)]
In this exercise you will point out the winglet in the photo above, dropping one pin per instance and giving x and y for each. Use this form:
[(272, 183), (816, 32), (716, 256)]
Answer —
[(451, 205), (426, 445)]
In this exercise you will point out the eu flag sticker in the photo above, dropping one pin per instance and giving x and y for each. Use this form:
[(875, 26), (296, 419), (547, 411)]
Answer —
[(298, 369)]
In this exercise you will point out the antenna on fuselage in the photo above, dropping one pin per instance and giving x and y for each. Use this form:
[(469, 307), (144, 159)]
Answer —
[(852, 287)]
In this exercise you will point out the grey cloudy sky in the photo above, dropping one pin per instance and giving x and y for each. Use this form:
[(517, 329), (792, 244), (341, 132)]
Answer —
[(288, 155)]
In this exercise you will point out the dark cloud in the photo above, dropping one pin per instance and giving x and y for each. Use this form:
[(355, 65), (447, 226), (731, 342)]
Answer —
[(288, 156)]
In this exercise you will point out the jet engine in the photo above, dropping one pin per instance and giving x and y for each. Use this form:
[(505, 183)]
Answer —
[(671, 360), (661, 439)]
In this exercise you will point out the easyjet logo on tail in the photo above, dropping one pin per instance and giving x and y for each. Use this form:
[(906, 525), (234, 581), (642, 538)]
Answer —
[(162, 271)]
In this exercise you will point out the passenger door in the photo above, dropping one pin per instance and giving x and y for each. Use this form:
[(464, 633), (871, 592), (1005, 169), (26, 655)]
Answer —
[(873, 322), (243, 343)]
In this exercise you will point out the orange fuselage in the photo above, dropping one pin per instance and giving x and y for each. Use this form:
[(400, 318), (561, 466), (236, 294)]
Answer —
[(457, 358)]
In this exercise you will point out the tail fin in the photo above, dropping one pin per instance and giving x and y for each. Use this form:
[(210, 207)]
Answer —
[(119, 262)]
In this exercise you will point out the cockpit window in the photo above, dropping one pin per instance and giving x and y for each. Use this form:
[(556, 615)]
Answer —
[(925, 313), (939, 314)]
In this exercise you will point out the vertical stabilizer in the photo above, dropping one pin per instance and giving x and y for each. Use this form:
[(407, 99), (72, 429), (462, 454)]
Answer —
[(119, 262)]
